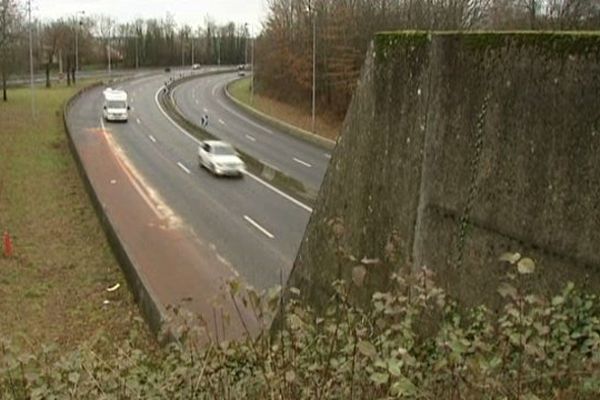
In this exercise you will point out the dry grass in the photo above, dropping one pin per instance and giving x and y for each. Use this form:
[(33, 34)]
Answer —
[(326, 125), (54, 288)]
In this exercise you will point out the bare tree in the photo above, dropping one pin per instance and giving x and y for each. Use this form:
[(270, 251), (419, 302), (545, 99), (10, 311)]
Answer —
[(105, 27), (55, 37), (10, 22)]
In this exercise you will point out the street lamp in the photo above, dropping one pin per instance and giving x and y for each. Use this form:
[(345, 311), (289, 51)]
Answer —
[(31, 82), (252, 84), (79, 23), (219, 49), (246, 45), (109, 51), (314, 84), (192, 38)]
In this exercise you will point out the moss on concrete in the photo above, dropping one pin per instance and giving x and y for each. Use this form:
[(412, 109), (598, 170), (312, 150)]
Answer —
[(556, 43)]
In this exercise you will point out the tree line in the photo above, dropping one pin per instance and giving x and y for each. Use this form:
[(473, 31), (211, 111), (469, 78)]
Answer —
[(99, 38), (344, 29)]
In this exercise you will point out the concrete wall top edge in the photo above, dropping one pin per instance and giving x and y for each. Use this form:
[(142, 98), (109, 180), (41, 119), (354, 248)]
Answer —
[(560, 44)]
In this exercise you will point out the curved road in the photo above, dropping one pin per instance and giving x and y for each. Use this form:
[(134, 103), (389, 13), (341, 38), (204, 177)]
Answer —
[(251, 227), (294, 157)]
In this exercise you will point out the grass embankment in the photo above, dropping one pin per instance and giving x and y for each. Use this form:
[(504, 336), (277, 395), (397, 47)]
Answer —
[(54, 288), (326, 126)]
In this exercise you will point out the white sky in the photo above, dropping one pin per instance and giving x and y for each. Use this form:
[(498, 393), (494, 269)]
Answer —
[(191, 12)]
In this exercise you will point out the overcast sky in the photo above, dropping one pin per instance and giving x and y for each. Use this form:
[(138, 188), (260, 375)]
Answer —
[(191, 12)]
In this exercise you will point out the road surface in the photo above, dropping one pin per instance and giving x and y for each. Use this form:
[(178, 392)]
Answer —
[(250, 227), (294, 157)]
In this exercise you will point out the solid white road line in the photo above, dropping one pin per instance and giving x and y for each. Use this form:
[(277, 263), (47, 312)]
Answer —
[(256, 178), (260, 228), (279, 192), (302, 162), (152, 138), (222, 122), (251, 138), (184, 168)]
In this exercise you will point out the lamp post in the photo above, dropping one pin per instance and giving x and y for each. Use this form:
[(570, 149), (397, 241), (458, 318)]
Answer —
[(314, 83), (192, 38), (252, 85), (108, 49), (78, 21), (31, 82), (219, 50), (246, 45), (109, 61), (137, 57)]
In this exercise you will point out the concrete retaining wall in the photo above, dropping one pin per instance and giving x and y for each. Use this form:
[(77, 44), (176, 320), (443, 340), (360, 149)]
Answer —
[(458, 148)]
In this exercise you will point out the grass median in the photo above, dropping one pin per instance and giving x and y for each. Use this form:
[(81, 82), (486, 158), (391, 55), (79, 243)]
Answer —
[(298, 116), (54, 288)]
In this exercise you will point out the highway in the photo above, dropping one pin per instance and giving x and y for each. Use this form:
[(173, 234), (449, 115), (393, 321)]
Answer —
[(251, 227), (294, 157)]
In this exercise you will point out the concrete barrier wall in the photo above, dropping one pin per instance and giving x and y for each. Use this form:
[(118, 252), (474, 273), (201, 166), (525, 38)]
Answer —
[(458, 148)]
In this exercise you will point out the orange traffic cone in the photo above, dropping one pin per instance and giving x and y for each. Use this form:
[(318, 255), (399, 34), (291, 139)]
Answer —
[(8, 245)]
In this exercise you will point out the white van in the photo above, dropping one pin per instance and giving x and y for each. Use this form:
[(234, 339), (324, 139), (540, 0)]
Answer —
[(115, 105)]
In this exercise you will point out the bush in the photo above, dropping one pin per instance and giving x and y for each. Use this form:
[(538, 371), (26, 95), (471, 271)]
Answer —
[(411, 342)]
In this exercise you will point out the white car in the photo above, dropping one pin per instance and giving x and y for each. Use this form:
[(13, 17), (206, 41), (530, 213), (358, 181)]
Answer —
[(220, 158)]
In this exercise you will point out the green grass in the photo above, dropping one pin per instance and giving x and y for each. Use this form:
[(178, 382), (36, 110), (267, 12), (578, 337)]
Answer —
[(326, 125), (241, 90), (54, 287)]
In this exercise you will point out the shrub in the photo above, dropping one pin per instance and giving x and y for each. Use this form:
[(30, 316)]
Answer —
[(411, 342)]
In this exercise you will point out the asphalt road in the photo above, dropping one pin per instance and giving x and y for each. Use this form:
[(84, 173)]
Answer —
[(253, 228), (294, 157)]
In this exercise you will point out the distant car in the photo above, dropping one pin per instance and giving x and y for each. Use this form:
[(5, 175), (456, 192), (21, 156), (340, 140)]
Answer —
[(196, 66), (242, 73), (168, 69), (220, 158)]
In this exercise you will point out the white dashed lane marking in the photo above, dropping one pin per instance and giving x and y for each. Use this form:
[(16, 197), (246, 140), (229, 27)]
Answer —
[(184, 168), (260, 228), (303, 163)]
